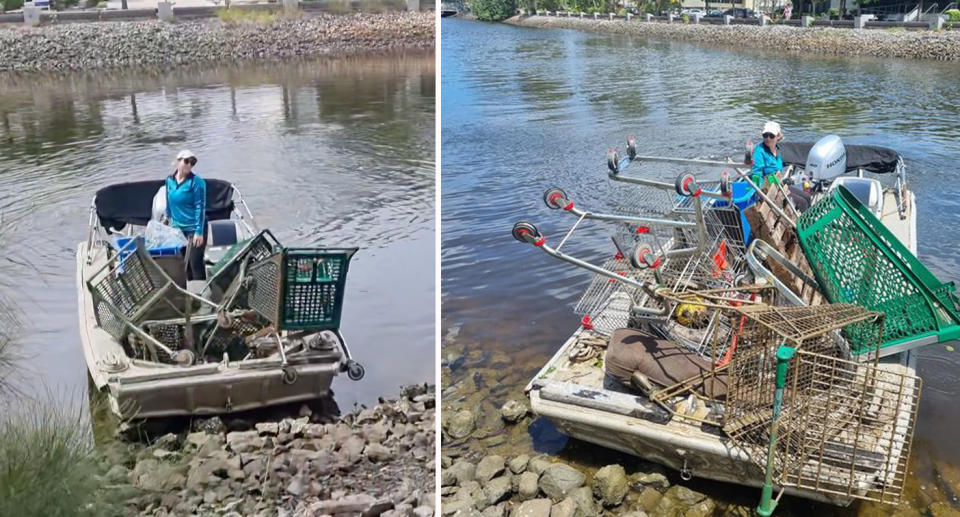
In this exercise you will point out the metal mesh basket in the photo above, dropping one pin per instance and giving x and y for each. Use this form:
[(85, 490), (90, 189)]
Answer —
[(844, 428), (857, 260), (301, 289), (124, 288)]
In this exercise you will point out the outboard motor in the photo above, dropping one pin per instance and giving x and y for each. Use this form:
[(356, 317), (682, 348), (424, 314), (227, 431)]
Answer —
[(827, 159)]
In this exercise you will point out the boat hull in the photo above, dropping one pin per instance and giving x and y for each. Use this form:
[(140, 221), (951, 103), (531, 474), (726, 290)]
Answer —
[(141, 389)]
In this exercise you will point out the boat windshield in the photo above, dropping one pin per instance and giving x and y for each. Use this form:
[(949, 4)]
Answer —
[(130, 203)]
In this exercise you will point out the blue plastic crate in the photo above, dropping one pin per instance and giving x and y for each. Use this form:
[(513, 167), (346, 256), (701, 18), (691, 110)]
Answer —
[(124, 250)]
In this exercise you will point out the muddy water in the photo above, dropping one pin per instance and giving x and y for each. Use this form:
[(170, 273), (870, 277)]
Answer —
[(326, 152), (525, 109)]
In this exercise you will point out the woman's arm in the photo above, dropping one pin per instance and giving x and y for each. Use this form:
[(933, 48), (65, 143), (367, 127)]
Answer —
[(201, 206), (758, 161)]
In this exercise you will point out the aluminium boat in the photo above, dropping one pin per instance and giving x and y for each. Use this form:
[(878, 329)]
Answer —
[(261, 330)]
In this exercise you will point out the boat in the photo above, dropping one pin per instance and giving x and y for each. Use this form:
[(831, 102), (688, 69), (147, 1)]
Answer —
[(778, 344), (261, 330)]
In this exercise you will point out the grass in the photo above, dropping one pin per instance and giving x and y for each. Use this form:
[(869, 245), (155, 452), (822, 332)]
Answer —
[(246, 16)]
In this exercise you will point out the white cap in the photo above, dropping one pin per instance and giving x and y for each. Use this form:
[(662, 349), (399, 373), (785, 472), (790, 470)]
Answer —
[(769, 127), (186, 153)]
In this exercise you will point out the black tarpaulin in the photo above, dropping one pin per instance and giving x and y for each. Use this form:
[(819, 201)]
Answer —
[(132, 203), (870, 158)]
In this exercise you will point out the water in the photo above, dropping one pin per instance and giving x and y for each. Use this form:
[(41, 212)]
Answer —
[(325, 152), (525, 109)]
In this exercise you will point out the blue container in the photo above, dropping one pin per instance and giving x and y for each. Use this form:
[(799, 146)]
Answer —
[(743, 197), (125, 248)]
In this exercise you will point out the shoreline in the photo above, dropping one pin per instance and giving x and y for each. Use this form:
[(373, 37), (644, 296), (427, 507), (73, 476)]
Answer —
[(924, 45), (376, 460), (84, 47)]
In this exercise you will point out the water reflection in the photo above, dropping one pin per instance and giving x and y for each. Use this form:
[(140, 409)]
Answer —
[(326, 152), (525, 109)]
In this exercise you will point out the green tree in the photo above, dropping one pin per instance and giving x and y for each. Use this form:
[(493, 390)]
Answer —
[(493, 10)]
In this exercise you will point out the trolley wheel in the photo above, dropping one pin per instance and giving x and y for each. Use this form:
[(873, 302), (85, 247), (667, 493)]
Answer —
[(183, 357), (526, 232), (555, 198), (613, 161), (683, 182), (639, 256), (355, 370), (725, 188), (632, 147), (290, 375)]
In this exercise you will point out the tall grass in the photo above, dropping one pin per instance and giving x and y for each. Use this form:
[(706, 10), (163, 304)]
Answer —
[(246, 16), (48, 465)]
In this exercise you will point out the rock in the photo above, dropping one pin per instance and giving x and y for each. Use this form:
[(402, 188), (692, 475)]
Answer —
[(499, 510), (610, 485), (460, 425), (704, 508), (942, 509), (513, 411), (354, 503), (527, 486), (351, 450), (423, 511), (684, 495), (497, 489), (489, 467), (565, 508), (267, 428), (158, 476), (654, 479), (447, 478), (118, 474), (649, 498), (205, 444), (533, 508), (168, 441), (634, 514), (583, 496), (295, 486), (377, 453), (464, 471), (518, 464), (211, 425), (244, 441), (558, 480), (538, 464), (454, 505)]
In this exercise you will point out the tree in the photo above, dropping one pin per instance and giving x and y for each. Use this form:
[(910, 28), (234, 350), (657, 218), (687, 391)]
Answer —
[(493, 10)]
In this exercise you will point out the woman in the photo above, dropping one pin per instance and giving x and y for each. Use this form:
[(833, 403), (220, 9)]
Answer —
[(767, 160), (186, 210)]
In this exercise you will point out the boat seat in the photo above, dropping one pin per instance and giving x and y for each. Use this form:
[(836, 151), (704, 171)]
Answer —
[(634, 355)]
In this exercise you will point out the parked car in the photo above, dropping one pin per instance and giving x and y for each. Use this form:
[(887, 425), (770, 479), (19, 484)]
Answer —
[(693, 12), (715, 12), (740, 12)]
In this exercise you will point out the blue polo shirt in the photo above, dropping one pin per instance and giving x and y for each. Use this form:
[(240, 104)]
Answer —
[(187, 203)]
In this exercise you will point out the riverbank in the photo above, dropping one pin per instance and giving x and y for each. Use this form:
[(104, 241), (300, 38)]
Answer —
[(375, 461), (943, 46), (75, 47)]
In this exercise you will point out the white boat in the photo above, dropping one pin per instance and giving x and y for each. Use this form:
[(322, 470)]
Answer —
[(680, 425), (263, 329)]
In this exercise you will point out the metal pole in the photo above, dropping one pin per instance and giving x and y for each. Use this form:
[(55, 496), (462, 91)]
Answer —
[(767, 503)]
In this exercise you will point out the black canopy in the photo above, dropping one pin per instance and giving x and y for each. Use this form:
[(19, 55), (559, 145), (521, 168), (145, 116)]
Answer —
[(132, 203), (871, 158)]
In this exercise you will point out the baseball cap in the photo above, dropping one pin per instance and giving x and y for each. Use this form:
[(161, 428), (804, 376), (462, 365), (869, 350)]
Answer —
[(186, 153), (771, 127)]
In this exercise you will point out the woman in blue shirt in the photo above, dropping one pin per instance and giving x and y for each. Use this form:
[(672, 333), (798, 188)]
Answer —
[(187, 211), (767, 160)]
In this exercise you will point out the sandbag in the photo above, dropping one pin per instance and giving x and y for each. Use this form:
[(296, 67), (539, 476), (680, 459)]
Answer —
[(661, 361)]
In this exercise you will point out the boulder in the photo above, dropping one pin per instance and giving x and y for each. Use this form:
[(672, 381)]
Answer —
[(610, 485), (653, 479), (464, 471), (704, 508), (377, 453), (488, 468), (538, 464), (518, 464), (460, 425), (513, 411), (684, 495), (527, 486), (533, 508), (649, 498), (244, 441), (565, 508), (497, 490), (559, 480), (583, 496), (351, 450)]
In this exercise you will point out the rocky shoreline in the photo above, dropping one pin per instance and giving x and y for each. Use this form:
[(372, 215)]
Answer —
[(943, 46), (375, 461), (86, 46)]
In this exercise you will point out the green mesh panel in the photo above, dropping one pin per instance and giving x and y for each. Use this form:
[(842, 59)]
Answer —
[(857, 260)]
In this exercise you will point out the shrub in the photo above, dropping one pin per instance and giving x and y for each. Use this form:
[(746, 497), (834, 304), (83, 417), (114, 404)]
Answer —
[(494, 10), (10, 5), (240, 16), (834, 13), (685, 17), (953, 15)]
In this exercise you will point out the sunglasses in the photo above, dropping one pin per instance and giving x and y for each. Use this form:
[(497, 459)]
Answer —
[(191, 161), (769, 135)]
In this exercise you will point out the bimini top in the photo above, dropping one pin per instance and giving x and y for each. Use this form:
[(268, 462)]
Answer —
[(132, 203), (872, 158)]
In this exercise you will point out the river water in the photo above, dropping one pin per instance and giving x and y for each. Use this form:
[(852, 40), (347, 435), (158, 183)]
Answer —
[(525, 109), (333, 152)]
